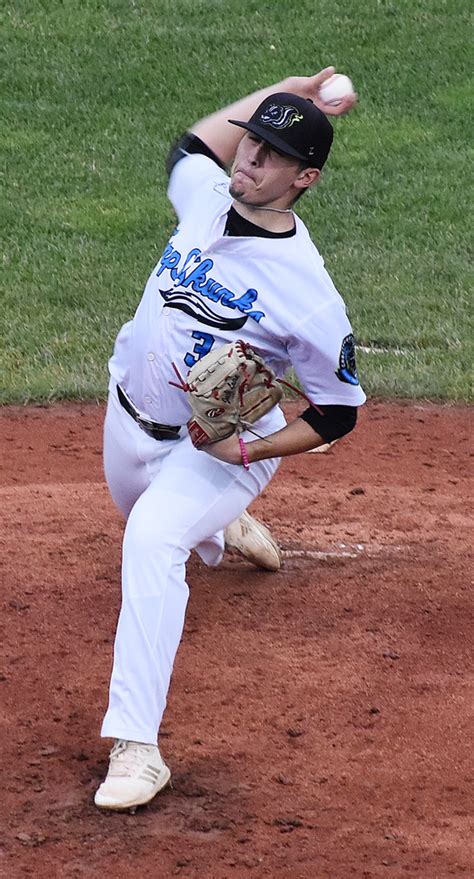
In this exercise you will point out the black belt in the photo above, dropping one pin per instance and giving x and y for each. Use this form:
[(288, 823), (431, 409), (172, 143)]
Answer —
[(152, 428)]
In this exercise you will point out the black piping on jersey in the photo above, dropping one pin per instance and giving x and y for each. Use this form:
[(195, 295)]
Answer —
[(330, 422)]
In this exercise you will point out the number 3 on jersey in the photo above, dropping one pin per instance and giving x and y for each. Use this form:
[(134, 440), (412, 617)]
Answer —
[(203, 345)]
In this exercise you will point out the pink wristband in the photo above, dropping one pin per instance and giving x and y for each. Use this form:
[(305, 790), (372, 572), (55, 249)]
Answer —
[(243, 452)]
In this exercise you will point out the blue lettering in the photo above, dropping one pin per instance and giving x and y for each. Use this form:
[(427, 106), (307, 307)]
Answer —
[(169, 259), (181, 274), (228, 298), (212, 290), (197, 278), (256, 315), (245, 302), (199, 281)]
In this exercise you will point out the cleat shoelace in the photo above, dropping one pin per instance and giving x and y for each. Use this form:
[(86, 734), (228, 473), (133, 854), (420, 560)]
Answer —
[(126, 757)]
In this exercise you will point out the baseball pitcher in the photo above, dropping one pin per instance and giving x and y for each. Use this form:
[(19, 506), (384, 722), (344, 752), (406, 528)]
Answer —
[(194, 431)]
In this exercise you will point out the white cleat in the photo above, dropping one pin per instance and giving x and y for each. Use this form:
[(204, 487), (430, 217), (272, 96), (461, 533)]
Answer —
[(254, 541), (136, 774)]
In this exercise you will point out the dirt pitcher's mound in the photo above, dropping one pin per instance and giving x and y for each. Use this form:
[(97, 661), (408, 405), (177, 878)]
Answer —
[(318, 719)]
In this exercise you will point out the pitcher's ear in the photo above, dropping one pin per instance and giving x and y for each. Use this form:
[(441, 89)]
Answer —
[(307, 177)]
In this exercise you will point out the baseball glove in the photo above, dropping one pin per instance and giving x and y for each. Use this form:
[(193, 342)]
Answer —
[(229, 389)]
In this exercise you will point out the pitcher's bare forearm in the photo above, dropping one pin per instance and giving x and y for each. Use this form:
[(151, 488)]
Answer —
[(296, 437)]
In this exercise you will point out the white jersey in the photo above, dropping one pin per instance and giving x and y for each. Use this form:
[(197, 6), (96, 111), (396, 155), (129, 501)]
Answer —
[(209, 289)]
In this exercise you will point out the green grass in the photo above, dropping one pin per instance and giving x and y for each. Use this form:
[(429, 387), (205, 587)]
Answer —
[(94, 92)]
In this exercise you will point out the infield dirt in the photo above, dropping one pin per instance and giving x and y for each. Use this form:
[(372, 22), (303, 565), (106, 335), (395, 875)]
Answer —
[(318, 720)]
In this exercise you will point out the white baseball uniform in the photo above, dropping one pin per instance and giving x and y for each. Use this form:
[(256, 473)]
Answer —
[(208, 288)]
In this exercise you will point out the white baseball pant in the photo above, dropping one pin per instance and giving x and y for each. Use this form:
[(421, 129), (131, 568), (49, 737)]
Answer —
[(175, 499)]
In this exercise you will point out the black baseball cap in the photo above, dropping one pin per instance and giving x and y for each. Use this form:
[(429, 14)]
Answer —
[(293, 126)]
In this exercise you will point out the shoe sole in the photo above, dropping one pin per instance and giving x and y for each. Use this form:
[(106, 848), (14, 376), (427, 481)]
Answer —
[(270, 564), (270, 547), (132, 806)]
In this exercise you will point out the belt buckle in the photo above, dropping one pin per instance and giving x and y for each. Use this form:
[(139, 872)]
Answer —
[(147, 426), (144, 423)]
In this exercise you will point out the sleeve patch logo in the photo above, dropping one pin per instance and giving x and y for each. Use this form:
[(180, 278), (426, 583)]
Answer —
[(347, 371)]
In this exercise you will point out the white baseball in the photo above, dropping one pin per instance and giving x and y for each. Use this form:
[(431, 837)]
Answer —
[(334, 89)]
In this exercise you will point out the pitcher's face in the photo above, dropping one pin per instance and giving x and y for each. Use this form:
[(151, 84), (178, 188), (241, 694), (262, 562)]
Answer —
[(262, 176)]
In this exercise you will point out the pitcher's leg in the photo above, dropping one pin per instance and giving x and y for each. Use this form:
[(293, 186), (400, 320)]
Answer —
[(127, 452), (154, 599), (189, 499)]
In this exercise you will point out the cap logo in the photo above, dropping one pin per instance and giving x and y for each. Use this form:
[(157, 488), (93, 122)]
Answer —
[(281, 116)]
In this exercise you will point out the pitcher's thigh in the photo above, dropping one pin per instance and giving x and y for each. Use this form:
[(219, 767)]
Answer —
[(192, 497), (126, 475)]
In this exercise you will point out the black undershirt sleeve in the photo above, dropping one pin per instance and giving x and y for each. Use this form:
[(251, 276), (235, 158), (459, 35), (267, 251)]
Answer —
[(189, 143), (334, 422)]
